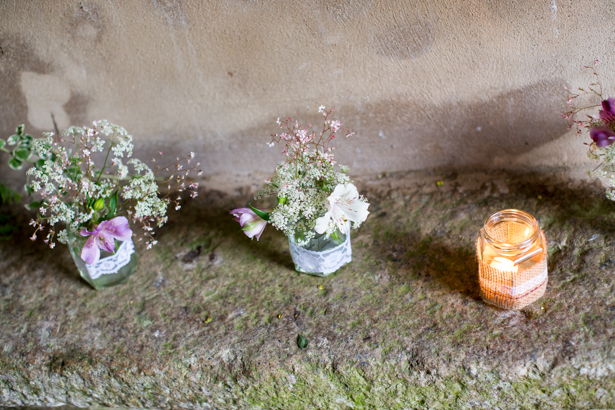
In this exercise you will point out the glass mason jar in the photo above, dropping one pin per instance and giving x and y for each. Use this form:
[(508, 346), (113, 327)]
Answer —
[(512, 259), (111, 269), (321, 255)]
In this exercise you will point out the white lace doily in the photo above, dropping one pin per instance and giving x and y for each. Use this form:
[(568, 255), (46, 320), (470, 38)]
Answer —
[(324, 262), (112, 264)]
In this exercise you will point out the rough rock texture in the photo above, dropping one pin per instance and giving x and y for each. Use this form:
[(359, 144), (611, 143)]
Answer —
[(211, 319)]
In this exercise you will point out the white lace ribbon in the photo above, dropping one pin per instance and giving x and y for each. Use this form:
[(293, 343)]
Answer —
[(113, 263), (325, 262)]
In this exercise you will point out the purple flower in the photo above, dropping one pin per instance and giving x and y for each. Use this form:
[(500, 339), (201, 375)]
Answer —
[(251, 224), (607, 113), (602, 136), (104, 237)]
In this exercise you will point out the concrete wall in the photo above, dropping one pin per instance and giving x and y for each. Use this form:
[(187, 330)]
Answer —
[(429, 83)]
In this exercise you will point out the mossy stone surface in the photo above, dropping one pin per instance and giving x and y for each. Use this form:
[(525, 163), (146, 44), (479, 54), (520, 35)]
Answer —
[(211, 319)]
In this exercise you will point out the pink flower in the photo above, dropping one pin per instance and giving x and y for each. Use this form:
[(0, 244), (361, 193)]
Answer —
[(251, 224), (602, 136), (104, 237), (607, 113)]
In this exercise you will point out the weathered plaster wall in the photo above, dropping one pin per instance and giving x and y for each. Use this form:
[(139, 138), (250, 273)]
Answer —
[(430, 83)]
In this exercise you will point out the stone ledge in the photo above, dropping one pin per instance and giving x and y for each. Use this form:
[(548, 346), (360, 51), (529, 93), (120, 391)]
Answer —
[(210, 319)]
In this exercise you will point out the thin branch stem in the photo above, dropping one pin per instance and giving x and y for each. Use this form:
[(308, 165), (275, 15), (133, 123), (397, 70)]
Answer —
[(105, 164)]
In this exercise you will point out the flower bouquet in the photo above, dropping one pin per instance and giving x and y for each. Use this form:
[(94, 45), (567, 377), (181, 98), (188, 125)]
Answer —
[(95, 206), (317, 204), (601, 128)]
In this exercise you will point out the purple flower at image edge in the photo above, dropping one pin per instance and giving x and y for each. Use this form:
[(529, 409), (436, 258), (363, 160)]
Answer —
[(251, 224), (607, 113), (602, 136), (103, 237)]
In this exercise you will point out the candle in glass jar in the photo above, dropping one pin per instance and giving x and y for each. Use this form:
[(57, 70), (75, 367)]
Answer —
[(512, 259)]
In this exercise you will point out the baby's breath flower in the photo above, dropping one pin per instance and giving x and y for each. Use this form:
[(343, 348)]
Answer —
[(77, 194), (304, 181)]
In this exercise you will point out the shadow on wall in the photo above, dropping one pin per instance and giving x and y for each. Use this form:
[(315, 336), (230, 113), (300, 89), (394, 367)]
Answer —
[(15, 57), (395, 135), (391, 135), (29, 89), (411, 135)]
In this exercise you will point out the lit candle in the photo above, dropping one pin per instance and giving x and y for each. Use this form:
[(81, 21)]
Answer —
[(512, 259), (504, 264)]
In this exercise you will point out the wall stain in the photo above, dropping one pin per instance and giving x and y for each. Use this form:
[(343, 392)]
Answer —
[(172, 11), (402, 30), (403, 42), (345, 10), (87, 23)]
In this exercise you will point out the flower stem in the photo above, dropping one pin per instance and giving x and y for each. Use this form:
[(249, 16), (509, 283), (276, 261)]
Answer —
[(104, 165)]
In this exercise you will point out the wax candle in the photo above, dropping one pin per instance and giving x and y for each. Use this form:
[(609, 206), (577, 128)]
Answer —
[(512, 259)]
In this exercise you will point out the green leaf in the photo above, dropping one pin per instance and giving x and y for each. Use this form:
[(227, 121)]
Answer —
[(13, 139), (262, 214), (113, 203), (302, 342), (7, 195), (29, 189), (27, 141), (15, 163), (281, 200), (19, 129), (6, 226), (2, 143), (40, 163), (22, 153), (33, 205)]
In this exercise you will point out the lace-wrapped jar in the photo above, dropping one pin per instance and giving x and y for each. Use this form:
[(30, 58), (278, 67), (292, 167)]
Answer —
[(321, 255), (111, 269), (512, 259)]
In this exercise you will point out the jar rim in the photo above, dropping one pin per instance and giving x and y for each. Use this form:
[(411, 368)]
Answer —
[(512, 215)]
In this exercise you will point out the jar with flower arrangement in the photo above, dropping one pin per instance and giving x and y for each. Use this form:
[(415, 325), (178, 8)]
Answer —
[(91, 209), (582, 115), (317, 205)]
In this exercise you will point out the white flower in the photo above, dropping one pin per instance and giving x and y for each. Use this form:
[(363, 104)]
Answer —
[(344, 205), (321, 109)]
